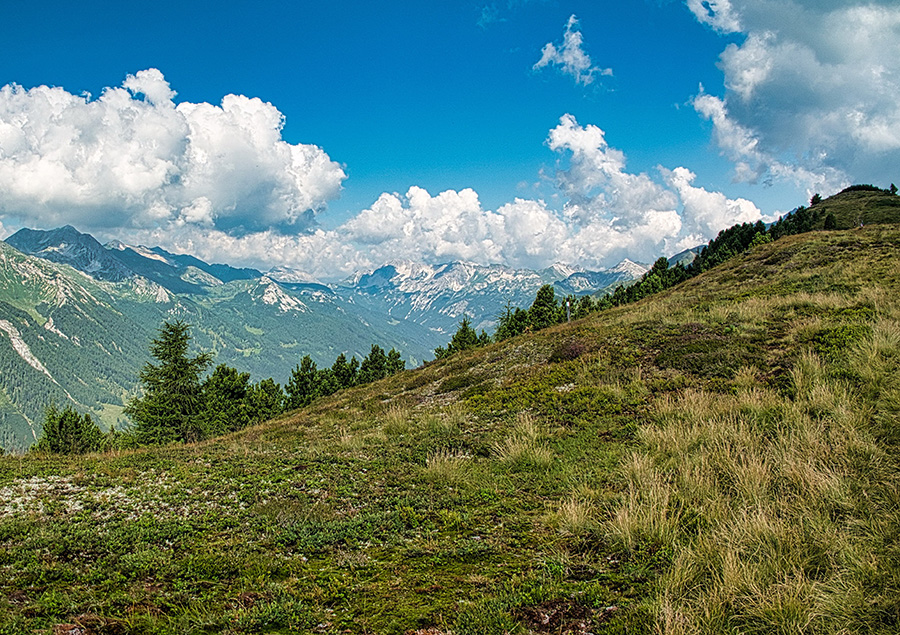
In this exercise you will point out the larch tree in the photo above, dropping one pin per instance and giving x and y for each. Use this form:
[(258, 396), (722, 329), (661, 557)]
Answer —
[(172, 396)]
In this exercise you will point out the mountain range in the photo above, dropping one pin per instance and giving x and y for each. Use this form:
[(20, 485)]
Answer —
[(77, 316)]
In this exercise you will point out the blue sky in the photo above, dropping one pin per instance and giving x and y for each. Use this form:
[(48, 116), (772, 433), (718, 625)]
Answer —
[(434, 131)]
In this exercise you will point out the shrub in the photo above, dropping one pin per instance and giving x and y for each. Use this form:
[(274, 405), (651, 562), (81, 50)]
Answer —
[(567, 351), (863, 187)]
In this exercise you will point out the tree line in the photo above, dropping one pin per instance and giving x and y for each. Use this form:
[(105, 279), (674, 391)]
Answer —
[(547, 309), (179, 405)]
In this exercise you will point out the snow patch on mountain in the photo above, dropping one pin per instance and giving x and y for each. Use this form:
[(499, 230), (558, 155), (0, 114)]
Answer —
[(144, 288), (287, 274), (198, 276), (273, 294), (148, 253), (635, 269)]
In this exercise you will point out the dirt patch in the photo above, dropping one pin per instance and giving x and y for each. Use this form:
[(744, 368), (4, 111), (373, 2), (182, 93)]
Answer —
[(90, 624), (563, 617)]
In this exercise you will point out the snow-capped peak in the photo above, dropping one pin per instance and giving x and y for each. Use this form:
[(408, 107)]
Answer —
[(287, 274), (629, 266)]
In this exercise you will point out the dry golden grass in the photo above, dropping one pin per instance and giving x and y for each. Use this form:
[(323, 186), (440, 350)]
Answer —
[(574, 517), (447, 467), (522, 448), (760, 497), (396, 420)]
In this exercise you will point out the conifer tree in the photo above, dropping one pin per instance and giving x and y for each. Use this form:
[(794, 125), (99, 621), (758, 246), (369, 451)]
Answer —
[(266, 399), (172, 398), (301, 388), (545, 311), (345, 373), (374, 366), (68, 432), (395, 363), (510, 323), (465, 336), (226, 406)]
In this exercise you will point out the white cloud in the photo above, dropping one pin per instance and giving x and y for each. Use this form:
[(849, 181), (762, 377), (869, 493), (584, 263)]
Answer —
[(152, 85), (719, 14), (449, 226), (611, 214), (453, 226), (810, 93), (705, 213), (596, 182), (219, 182), (133, 158), (570, 56)]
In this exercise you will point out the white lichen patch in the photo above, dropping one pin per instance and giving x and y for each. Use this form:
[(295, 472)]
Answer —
[(150, 493)]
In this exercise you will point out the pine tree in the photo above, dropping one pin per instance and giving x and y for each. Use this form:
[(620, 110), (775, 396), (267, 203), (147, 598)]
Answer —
[(465, 336), (544, 311), (301, 388), (266, 399), (172, 398), (395, 363), (226, 406), (68, 432), (374, 366), (345, 372), (510, 323)]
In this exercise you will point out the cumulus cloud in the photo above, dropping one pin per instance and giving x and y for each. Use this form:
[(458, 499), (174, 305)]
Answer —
[(719, 14), (610, 214), (598, 186), (219, 182), (705, 213), (454, 226), (570, 56), (134, 158), (449, 226), (810, 92)]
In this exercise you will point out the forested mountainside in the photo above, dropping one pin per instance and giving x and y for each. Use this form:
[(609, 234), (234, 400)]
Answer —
[(721, 456), (67, 338), (76, 317)]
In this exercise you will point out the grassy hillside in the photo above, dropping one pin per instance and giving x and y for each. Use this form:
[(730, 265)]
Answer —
[(855, 207), (721, 457)]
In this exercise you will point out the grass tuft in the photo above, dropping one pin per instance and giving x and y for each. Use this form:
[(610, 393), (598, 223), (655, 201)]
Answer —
[(522, 448)]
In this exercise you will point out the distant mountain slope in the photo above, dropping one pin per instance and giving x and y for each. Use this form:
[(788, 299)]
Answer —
[(438, 296), (116, 261), (594, 282), (67, 245), (69, 338)]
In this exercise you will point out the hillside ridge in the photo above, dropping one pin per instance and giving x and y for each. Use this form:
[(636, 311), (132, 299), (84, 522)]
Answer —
[(602, 475)]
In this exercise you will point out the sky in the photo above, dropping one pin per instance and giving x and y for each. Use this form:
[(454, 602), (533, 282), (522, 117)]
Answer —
[(332, 137)]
